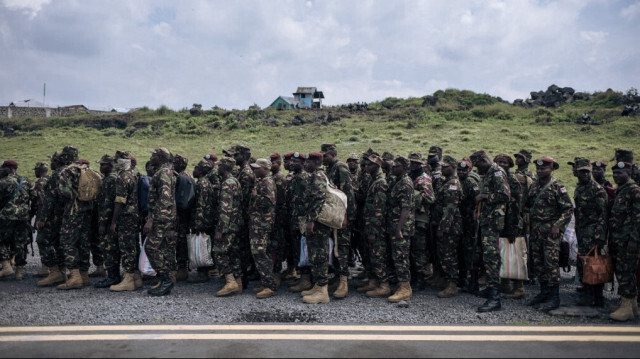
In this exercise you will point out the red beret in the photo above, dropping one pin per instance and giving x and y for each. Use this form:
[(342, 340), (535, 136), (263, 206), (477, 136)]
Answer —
[(83, 161), (9, 163), (316, 155), (274, 156), (288, 155), (211, 157), (299, 155), (547, 161), (622, 164)]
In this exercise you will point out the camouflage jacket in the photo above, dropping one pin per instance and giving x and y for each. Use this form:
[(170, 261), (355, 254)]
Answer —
[(316, 194), (374, 210), (364, 181), (229, 206), (423, 195), (205, 211), (126, 193), (401, 197), (550, 204), (52, 206), (339, 174), (470, 189), (247, 180), (590, 213), (37, 195), (281, 194), (18, 207), (162, 195), (526, 171), (446, 209), (296, 195), (437, 179), (106, 199), (611, 192), (513, 221), (262, 205), (355, 179), (495, 185), (68, 190), (625, 216)]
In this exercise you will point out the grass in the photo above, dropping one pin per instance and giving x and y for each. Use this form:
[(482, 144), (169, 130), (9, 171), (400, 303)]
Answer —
[(460, 122)]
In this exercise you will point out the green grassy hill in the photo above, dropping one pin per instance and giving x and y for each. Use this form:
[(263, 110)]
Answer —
[(458, 121)]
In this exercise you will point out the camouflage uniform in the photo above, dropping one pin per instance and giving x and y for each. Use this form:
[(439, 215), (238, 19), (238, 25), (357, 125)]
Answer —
[(184, 219), (37, 201), (374, 213), (247, 180), (205, 211), (280, 241), (108, 240), (400, 198), (446, 212), (226, 249), (296, 208), (424, 198), (262, 213), (51, 213), (15, 233), (625, 237), (126, 193), (317, 242), (468, 253), (339, 174), (161, 241), (513, 221)]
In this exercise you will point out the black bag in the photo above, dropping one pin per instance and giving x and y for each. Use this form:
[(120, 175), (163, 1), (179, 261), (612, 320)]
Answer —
[(143, 193), (185, 192), (565, 250)]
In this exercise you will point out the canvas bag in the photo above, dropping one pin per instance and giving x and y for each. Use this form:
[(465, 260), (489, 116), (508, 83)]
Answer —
[(334, 208), (199, 250), (143, 261), (596, 269), (513, 263), (89, 184)]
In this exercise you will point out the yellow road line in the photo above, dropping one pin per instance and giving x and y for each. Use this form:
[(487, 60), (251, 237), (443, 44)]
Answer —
[(332, 328), (322, 337)]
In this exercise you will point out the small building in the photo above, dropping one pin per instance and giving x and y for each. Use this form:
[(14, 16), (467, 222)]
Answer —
[(284, 103), (304, 97)]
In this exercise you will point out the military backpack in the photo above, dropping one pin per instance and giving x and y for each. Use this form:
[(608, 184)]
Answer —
[(89, 184)]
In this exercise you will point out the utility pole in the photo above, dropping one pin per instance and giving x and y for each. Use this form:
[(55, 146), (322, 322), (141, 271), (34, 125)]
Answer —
[(44, 94)]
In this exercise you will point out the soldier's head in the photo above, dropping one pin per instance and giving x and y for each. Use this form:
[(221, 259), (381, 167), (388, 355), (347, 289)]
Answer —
[(226, 165), (8, 167), (463, 168), (583, 170), (297, 161), (622, 172), (68, 155), (160, 156), (261, 167), (41, 169), (212, 158), (623, 155), (55, 161), (229, 152), (276, 161), (387, 161), (504, 160), (122, 161), (598, 169), (545, 166), (573, 165), (202, 168), (287, 161), (180, 163), (242, 155), (372, 164), (329, 153), (448, 166), (416, 161), (149, 168), (106, 164), (523, 158), (434, 155), (481, 160), (313, 162), (352, 161), (400, 166)]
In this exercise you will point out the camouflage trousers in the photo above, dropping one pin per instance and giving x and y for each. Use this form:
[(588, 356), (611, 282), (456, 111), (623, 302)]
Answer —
[(448, 247), (626, 258), (129, 243), (279, 244), (419, 252), (262, 257), (491, 254), (95, 243), (379, 256), (48, 239), (318, 246), (294, 229), (226, 252), (400, 248), (341, 262), (545, 253), (161, 246), (244, 245), (111, 249), (182, 249), (15, 236), (468, 249), (74, 240)]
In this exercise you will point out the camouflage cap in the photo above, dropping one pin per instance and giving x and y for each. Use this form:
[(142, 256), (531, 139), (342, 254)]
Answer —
[(505, 157), (9, 163), (477, 155), (105, 159), (547, 161), (373, 159), (41, 165), (230, 151), (180, 160), (573, 163), (243, 149), (582, 164), (525, 154), (401, 161), (353, 157), (123, 154), (204, 166), (448, 161), (387, 156), (262, 162), (600, 164), (623, 155), (69, 154), (325, 147), (162, 152), (416, 157), (435, 150), (227, 163)]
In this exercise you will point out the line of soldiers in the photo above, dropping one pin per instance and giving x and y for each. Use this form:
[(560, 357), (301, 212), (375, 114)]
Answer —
[(411, 221)]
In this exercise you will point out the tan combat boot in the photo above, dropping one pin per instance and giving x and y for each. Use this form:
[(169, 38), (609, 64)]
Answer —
[(43, 272), (505, 286), (73, 282), (137, 279), (402, 293), (518, 290), (127, 284), (258, 289), (277, 278), (182, 274), (450, 291), (172, 276), (634, 307), (313, 289), (85, 278), (19, 272), (370, 285), (239, 283), (55, 276), (625, 312), (320, 296), (230, 287), (7, 269), (265, 293), (99, 272), (382, 291), (303, 284), (343, 288)]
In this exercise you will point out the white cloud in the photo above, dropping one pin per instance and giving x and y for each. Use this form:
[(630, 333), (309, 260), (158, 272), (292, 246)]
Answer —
[(631, 12), (29, 7)]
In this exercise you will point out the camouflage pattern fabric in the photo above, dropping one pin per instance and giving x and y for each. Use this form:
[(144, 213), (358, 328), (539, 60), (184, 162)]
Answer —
[(227, 248), (317, 241), (590, 215), (205, 211), (374, 215), (296, 208), (161, 242), (262, 213), (401, 197), (470, 189), (446, 210), (339, 174), (105, 202), (513, 221), (15, 233), (126, 225), (280, 243), (424, 198), (48, 237), (247, 180), (625, 237)]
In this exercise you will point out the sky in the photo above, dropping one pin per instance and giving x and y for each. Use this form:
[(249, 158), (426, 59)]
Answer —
[(233, 54)]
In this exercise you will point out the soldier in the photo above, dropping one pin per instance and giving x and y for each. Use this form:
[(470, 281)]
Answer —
[(15, 231), (247, 180), (513, 223), (37, 203), (446, 212), (225, 242), (468, 255), (424, 197), (492, 200), (433, 161), (526, 178), (108, 240), (180, 163), (598, 170), (48, 223), (289, 246), (204, 213), (590, 214), (124, 221), (338, 173), (354, 168), (160, 227), (374, 213), (76, 222), (550, 210), (262, 213), (296, 200), (364, 180), (387, 163), (401, 226), (280, 239), (523, 158), (316, 232), (625, 238)]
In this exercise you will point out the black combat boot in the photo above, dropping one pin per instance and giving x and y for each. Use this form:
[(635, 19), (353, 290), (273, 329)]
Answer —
[(493, 302), (472, 285), (164, 288), (586, 297), (541, 297), (598, 297), (113, 277), (553, 300)]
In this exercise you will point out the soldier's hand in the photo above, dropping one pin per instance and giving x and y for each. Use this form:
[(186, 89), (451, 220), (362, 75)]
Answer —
[(39, 224), (555, 232), (310, 227), (147, 227), (217, 236)]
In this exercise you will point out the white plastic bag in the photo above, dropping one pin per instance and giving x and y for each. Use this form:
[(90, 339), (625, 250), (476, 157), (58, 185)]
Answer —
[(199, 250), (143, 262)]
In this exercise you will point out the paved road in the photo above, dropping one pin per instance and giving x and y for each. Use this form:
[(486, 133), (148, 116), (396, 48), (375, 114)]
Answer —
[(292, 340)]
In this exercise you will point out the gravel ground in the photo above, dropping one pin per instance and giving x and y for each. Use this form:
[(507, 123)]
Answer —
[(24, 304)]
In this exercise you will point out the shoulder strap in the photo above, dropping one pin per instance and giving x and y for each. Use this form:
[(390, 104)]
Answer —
[(544, 188), (15, 191)]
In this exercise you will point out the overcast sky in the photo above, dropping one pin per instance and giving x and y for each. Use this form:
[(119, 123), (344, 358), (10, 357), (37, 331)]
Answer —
[(234, 54)]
